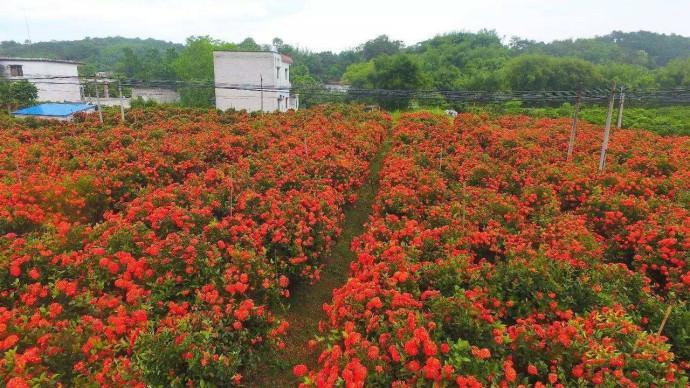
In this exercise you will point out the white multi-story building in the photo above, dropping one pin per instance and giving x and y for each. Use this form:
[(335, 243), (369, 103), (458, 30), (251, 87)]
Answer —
[(255, 81), (56, 80)]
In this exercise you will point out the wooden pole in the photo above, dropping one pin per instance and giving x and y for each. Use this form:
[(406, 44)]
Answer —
[(607, 130), (464, 198), (663, 322), (98, 100), (620, 109), (232, 191), (122, 103), (19, 170), (573, 131)]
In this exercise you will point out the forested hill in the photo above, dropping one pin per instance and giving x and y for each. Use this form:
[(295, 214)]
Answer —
[(486, 50), (642, 48), (101, 53), (459, 60), (637, 48)]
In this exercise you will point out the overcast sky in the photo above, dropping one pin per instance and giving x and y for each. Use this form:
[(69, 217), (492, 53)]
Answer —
[(335, 25)]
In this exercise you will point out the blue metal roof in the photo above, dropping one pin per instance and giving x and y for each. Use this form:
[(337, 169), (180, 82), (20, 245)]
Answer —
[(52, 109)]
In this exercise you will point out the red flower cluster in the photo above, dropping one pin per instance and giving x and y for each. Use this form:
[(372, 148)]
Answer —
[(150, 253), (491, 261)]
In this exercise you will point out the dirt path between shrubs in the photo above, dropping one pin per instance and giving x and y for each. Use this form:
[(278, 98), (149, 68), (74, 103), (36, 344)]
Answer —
[(306, 300)]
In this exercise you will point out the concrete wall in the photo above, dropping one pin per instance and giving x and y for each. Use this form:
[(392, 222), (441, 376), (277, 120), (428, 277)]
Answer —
[(234, 71), (293, 103), (337, 88), (56, 118), (250, 100), (111, 101), (159, 95), (55, 89)]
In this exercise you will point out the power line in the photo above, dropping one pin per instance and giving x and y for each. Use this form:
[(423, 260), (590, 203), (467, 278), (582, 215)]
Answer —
[(675, 96), (210, 83)]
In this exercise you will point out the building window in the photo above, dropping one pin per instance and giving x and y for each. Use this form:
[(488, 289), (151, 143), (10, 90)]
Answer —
[(286, 74), (278, 72), (16, 71)]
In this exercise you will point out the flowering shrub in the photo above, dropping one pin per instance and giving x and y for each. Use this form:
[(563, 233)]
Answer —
[(491, 261), (152, 253)]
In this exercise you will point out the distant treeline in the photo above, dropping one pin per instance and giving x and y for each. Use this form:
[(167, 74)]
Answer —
[(458, 60)]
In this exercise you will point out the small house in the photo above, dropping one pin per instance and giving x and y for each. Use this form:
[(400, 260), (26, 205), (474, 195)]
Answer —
[(253, 80), (56, 80)]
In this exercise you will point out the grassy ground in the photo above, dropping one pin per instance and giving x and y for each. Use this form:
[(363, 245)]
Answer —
[(305, 310), (437, 111), (664, 120)]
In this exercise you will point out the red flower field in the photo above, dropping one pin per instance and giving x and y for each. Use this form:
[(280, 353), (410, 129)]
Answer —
[(154, 252), (491, 261), (159, 253)]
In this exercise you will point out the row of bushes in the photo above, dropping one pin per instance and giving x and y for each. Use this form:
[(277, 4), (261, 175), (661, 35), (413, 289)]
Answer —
[(490, 260)]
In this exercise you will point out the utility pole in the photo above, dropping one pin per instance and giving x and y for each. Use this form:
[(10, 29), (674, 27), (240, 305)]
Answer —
[(607, 129), (98, 99), (232, 191), (261, 88), (620, 109), (573, 131), (122, 103)]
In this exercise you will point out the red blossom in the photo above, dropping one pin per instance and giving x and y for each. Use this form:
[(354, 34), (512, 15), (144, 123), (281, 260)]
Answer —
[(299, 370)]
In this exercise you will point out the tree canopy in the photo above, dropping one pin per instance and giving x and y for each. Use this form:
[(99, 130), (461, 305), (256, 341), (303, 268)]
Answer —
[(455, 61), (542, 72), (101, 54), (17, 93)]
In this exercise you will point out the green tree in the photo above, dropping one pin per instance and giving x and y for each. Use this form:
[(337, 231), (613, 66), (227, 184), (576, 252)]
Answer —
[(101, 53), (463, 60), (194, 65), (130, 65), (642, 48), (278, 43), (311, 91), (381, 45), (529, 72), (23, 92), (399, 71), (392, 72), (659, 49), (17, 93), (630, 76), (359, 75), (542, 72), (676, 74), (248, 44), (4, 92)]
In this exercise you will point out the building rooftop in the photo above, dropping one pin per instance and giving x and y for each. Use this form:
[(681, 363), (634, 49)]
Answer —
[(285, 58), (40, 60), (53, 109)]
